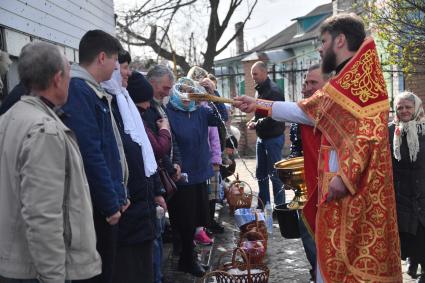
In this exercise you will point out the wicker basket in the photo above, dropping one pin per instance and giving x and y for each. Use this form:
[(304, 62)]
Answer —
[(215, 274), (242, 271), (255, 226), (260, 227), (237, 197), (254, 246)]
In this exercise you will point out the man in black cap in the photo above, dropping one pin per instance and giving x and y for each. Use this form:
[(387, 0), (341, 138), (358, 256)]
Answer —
[(141, 92)]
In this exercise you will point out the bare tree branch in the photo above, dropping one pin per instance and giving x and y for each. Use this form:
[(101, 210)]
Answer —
[(162, 15), (144, 10), (151, 42), (239, 30), (168, 26)]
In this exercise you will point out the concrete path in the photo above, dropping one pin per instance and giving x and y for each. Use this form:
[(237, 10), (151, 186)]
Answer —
[(285, 258)]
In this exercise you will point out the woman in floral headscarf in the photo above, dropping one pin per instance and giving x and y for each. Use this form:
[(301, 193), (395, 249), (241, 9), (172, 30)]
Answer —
[(407, 138), (188, 207)]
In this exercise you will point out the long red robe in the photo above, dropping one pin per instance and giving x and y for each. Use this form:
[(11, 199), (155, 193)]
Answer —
[(356, 237), (311, 139)]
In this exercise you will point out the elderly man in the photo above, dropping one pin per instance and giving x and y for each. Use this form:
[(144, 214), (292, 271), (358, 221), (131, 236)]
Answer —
[(270, 137), (356, 229), (47, 231), (89, 115), (306, 142), (161, 78)]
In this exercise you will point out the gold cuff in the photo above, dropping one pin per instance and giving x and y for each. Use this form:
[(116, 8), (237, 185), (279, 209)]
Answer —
[(264, 107)]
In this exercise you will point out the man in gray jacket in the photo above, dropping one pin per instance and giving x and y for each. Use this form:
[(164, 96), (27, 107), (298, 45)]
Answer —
[(47, 230)]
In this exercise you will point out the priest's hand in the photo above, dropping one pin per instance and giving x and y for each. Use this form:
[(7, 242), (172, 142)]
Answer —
[(245, 103), (337, 189)]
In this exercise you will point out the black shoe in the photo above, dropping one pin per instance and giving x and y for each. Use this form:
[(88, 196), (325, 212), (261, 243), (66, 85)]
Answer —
[(313, 275), (195, 268), (412, 269), (216, 228)]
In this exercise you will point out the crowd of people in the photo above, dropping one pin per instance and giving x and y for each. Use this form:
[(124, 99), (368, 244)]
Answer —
[(90, 154), (94, 154)]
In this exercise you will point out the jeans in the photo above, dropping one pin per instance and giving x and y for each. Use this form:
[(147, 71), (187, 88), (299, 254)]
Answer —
[(157, 251), (269, 151), (308, 242)]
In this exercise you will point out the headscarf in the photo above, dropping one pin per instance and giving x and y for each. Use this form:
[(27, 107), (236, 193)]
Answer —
[(411, 128), (197, 73), (180, 92), (133, 124)]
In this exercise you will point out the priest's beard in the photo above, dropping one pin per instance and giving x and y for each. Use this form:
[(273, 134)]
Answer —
[(329, 61)]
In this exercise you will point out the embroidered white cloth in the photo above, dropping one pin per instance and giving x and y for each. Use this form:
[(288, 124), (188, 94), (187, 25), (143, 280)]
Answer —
[(133, 124)]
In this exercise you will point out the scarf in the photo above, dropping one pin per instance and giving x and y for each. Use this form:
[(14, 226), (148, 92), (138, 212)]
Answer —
[(411, 129), (133, 124), (181, 90)]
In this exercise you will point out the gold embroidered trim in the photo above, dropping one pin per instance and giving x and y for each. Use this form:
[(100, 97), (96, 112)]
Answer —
[(363, 80), (352, 107)]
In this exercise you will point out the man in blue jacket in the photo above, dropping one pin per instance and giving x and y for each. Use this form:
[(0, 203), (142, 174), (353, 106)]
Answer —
[(89, 115)]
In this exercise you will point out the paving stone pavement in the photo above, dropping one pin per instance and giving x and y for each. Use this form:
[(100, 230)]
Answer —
[(285, 257)]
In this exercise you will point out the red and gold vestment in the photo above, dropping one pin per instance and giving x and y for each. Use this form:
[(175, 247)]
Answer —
[(356, 237), (311, 140)]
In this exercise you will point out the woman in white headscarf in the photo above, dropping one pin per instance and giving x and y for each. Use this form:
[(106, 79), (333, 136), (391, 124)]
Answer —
[(407, 138), (137, 224)]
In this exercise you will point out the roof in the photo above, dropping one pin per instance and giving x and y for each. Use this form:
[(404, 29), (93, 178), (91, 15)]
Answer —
[(279, 39), (231, 59), (277, 48), (318, 11), (273, 56)]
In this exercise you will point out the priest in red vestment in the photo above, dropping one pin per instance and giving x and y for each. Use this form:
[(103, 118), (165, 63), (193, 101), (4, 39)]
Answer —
[(356, 225)]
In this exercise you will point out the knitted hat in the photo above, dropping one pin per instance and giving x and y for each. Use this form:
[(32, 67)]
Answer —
[(139, 88)]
